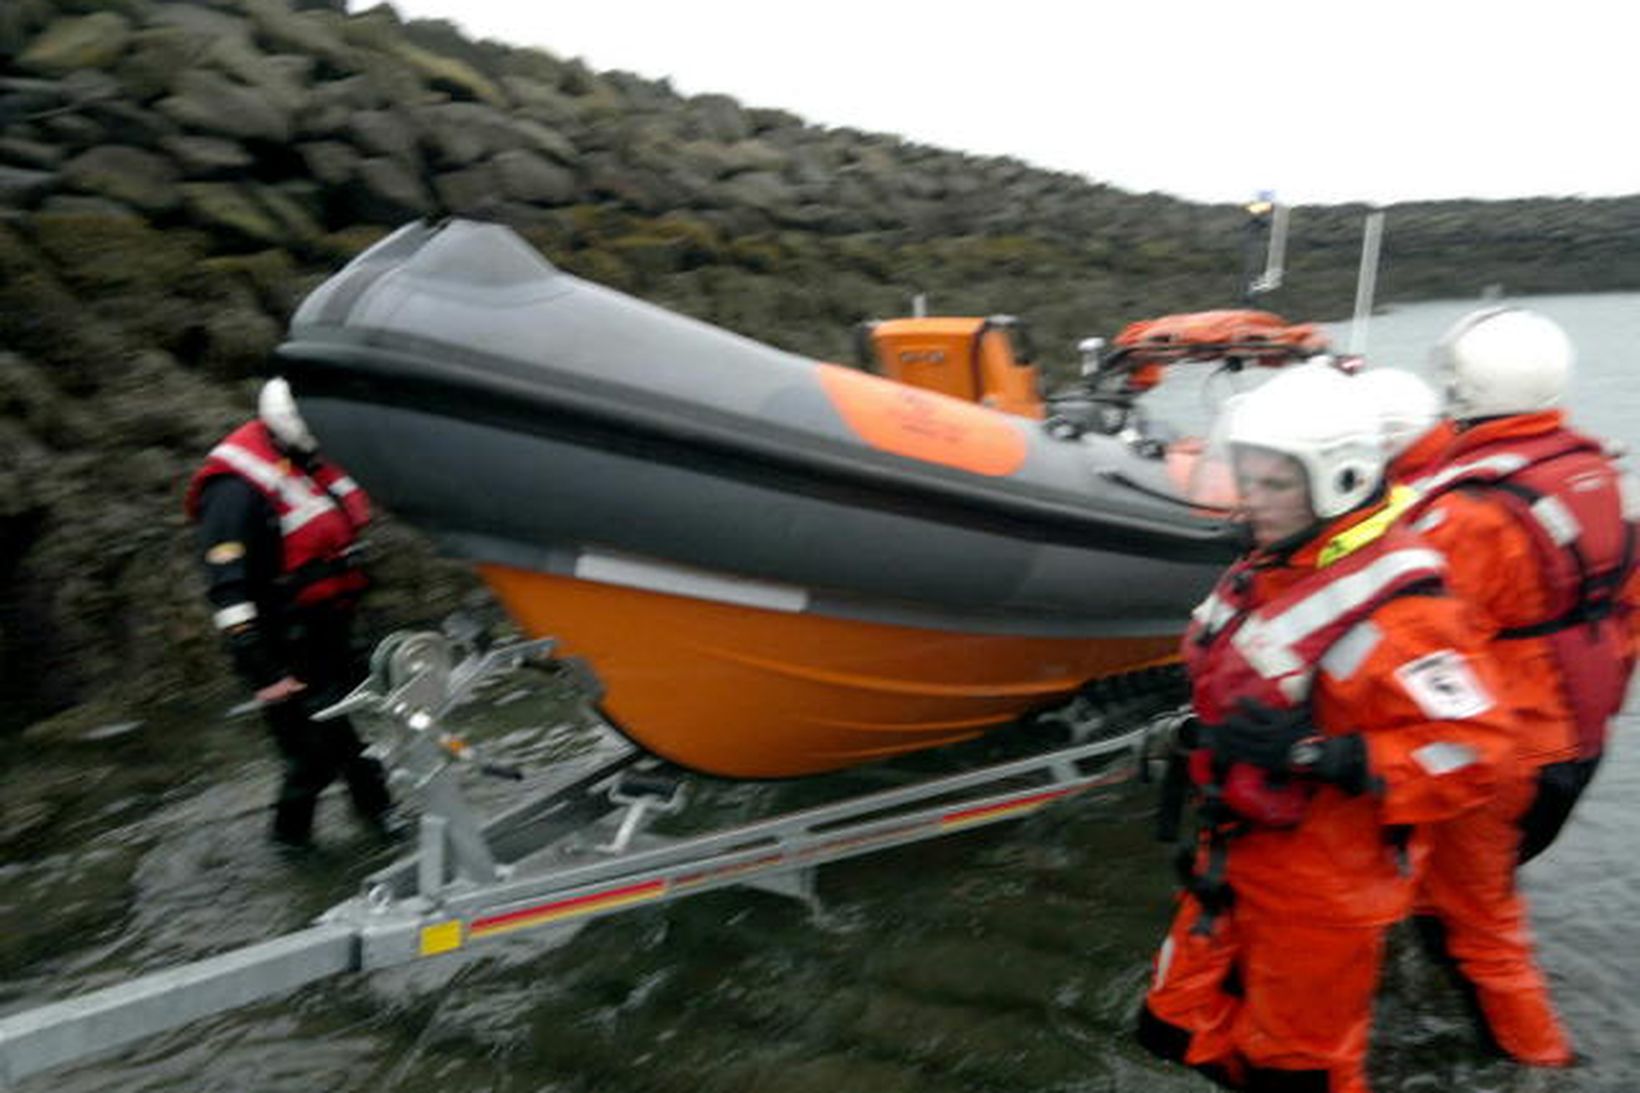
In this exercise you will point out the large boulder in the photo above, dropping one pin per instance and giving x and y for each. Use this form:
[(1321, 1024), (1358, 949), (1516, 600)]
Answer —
[(527, 177), (384, 191), (294, 205), (130, 175), (330, 162), (472, 191), (720, 118), (385, 133), (545, 139), (453, 76), (207, 157), (230, 209), (379, 32), (456, 134), (541, 100), (208, 102), (332, 104), (71, 45), (316, 33), (211, 22), (128, 123), (157, 56), (281, 79)]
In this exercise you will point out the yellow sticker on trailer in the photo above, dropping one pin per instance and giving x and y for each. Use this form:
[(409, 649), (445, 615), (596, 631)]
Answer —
[(442, 937)]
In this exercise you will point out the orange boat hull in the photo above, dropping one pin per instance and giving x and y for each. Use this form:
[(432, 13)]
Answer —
[(750, 692)]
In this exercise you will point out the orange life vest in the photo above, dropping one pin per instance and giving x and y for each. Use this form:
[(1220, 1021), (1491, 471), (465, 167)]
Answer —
[(320, 511), (1579, 511)]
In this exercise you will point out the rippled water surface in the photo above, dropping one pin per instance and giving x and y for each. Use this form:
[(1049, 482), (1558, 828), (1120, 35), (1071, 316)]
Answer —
[(1006, 959)]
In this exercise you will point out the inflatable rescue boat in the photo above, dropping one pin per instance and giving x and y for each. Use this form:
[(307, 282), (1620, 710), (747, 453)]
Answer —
[(774, 565)]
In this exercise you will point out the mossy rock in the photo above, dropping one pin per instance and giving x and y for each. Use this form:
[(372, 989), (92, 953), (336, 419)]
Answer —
[(228, 209), (348, 243), (207, 157), (471, 191), (316, 34), (668, 244), (299, 228), (41, 319), (386, 191), (46, 419), (208, 102), (589, 225), (238, 341), (761, 255), (117, 254), (379, 29), (129, 175), (540, 99), (600, 266), (650, 255), (271, 274), (73, 45), (525, 176)]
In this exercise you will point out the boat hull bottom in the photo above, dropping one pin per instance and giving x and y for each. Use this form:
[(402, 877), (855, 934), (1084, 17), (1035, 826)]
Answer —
[(749, 692)]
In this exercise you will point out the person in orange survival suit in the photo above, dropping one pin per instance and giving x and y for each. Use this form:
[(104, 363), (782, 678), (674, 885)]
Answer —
[(278, 528), (1341, 697), (1534, 520)]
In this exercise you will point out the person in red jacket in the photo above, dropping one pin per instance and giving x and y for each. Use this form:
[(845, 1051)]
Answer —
[(278, 533), (1342, 698), (1534, 519)]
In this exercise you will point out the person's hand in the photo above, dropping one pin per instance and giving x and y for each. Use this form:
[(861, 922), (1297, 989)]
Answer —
[(1260, 735), (281, 689), (1287, 742)]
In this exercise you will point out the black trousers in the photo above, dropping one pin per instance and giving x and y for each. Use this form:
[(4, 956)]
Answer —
[(318, 647)]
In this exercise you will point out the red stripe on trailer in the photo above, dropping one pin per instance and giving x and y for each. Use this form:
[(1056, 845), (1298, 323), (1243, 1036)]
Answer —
[(984, 813), (558, 910)]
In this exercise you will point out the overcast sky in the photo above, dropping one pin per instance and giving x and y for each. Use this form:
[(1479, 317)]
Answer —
[(1319, 100)]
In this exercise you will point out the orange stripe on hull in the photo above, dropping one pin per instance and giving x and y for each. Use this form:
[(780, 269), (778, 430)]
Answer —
[(748, 692)]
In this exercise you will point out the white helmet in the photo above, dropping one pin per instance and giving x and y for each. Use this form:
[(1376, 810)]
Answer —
[(1503, 360), (1313, 414), (1407, 407), (277, 409)]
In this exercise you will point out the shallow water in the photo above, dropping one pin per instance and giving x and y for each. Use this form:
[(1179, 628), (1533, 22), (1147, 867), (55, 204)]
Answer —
[(1006, 959), (1010, 958)]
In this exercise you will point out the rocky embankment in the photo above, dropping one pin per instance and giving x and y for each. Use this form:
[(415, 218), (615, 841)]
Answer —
[(173, 177)]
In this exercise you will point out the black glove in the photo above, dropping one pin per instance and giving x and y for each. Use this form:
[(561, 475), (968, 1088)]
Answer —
[(1341, 760), (1259, 735)]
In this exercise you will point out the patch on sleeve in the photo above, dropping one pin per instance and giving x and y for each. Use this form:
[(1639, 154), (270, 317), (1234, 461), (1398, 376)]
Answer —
[(1444, 757), (225, 553), (1443, 686)]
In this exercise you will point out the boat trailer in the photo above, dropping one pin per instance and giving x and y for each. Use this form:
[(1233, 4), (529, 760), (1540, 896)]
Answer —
[(580, 847)]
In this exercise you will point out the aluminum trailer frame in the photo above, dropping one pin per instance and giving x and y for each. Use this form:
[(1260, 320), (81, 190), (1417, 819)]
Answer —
[(469, 882)]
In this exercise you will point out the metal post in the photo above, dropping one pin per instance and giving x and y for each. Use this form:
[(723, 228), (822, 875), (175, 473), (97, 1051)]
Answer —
[(1253, 243), (1366, 282)]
